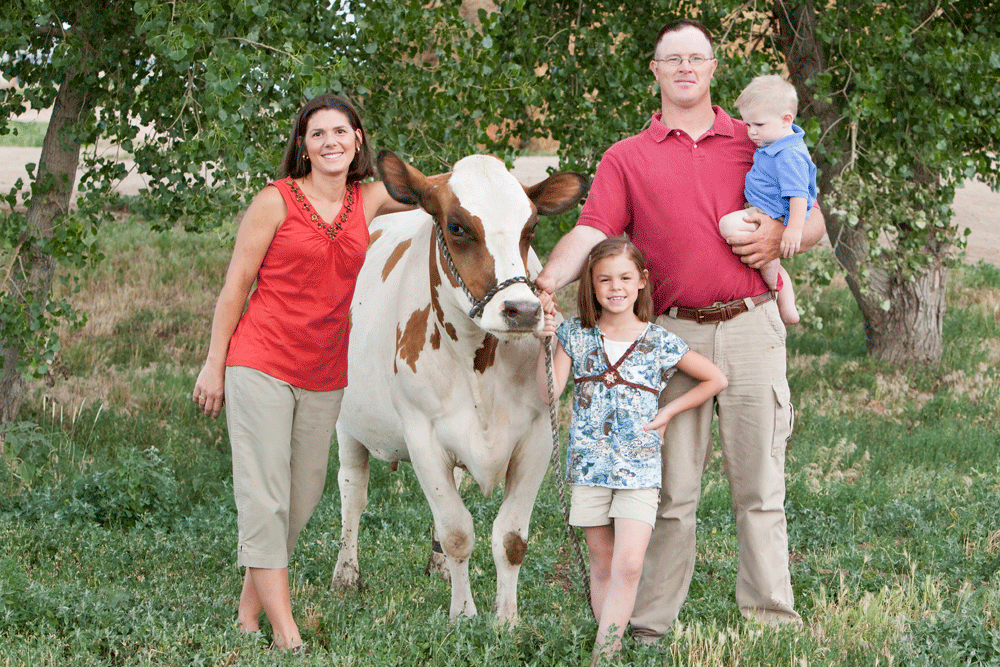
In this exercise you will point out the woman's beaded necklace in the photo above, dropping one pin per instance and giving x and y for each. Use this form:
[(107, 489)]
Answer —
[(330, 230)]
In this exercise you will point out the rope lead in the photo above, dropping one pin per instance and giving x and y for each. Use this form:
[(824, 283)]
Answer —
[(574, 538)]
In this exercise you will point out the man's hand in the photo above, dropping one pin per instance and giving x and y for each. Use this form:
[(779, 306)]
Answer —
[(756, 249), (568, 257)]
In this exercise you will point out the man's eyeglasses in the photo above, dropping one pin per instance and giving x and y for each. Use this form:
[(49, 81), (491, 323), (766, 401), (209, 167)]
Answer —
[(675, 61)]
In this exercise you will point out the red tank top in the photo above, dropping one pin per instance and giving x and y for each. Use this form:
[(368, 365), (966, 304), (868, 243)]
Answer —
[(296, 325)]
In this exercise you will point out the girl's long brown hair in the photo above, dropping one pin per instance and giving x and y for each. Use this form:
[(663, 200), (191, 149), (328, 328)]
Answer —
[(589, 309)]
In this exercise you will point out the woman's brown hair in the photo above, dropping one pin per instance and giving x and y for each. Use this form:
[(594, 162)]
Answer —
[(588, 308), (295, 164)]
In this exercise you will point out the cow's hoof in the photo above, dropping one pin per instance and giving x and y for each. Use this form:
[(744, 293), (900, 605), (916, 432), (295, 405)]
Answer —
[(508, 622), (437, 564), (346, 578)]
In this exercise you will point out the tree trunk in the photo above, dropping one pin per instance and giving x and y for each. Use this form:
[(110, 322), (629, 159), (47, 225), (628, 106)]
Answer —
[(911, 329), (34, 270)]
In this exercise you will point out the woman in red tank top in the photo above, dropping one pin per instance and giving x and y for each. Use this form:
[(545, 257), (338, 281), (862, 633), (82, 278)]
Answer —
[(280, 367)]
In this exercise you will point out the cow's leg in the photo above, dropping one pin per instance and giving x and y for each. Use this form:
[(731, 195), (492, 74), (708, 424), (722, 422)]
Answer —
[(452, 521), (437, 563), (353, 481), (510, 528)]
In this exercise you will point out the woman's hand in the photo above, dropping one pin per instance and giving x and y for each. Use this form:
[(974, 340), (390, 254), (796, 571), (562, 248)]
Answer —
[(209, 391), (253, 238)]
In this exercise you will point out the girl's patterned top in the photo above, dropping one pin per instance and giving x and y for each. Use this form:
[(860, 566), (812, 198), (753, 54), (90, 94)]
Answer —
[(612, 402)]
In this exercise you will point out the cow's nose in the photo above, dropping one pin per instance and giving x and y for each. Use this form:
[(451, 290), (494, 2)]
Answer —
[(522, 315)]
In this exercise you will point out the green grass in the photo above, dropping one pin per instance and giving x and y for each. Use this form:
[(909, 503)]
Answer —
[(116, 506), (24, 134)]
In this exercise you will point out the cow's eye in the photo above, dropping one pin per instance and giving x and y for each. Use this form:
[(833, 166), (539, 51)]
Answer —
[(456, 230)]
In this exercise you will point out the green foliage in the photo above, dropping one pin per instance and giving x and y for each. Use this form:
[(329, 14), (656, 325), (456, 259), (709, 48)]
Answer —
[(914, 84), (19, 133), (959, 635), (30, 456), (910, 85), (141, 489), (201, 96), (901, 220), (125, 555), (29, 315), (49, 472)]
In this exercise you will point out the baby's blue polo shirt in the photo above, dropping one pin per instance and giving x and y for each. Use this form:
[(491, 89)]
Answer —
[(781, 170)]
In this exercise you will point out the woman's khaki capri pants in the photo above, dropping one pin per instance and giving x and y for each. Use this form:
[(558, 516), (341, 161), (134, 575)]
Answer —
[(280, 436)]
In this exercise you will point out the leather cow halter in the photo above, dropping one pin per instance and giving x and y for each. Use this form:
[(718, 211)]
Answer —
[(477, 305)]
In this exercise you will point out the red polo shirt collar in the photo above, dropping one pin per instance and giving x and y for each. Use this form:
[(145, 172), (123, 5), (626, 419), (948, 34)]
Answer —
[(722, 126)]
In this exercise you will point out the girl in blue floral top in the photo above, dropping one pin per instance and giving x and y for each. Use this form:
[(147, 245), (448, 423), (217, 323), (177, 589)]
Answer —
[(621, 362)]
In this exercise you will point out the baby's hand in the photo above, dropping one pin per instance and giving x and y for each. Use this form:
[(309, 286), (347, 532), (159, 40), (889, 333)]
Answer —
[(791, 242)]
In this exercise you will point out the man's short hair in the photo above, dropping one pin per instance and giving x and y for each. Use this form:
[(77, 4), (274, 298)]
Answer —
[(680, 24), (769, 93)]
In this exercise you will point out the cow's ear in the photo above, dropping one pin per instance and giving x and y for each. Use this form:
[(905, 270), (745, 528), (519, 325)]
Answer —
[(558, 193), (399, 178)]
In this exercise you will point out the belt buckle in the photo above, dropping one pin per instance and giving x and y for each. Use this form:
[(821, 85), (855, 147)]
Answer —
[(703, 315), (722, 312)]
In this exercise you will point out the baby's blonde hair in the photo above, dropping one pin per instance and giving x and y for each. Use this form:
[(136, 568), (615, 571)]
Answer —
[(768, 93)]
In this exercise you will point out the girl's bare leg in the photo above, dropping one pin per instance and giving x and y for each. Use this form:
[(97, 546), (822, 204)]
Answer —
[(600, 548), (630, 540)]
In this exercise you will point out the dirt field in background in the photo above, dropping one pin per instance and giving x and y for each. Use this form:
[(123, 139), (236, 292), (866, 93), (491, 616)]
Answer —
[(976, 206)]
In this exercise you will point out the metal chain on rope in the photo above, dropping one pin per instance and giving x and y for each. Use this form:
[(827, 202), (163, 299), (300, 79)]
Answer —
[(477, 310)]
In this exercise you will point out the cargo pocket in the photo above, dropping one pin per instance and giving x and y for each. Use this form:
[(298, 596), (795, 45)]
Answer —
[(784, 419), (774, 320)]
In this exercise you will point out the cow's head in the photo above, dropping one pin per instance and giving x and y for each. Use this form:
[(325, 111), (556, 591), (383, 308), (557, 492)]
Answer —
[(488, 220)]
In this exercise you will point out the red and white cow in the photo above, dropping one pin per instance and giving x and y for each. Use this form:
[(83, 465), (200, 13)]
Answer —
[(440, 381)]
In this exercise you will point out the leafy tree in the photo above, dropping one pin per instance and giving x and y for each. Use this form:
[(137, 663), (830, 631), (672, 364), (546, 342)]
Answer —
[(903, 96), (200, 96), (898, 100)]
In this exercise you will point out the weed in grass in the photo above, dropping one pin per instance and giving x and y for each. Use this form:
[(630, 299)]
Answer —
[(140, 488), (708, 645), (30, 456), (829, 464), (963, 632)]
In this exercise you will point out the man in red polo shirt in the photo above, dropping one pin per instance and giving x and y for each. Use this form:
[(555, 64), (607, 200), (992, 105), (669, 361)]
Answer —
[(667, 187)]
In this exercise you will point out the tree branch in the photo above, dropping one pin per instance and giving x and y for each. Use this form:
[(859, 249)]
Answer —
[(266, 47)]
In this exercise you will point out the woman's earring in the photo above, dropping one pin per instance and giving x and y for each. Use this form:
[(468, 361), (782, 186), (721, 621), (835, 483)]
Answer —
[(305, 157)]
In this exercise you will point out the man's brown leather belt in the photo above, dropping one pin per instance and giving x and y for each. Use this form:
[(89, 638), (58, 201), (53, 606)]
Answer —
[(720, 312)]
